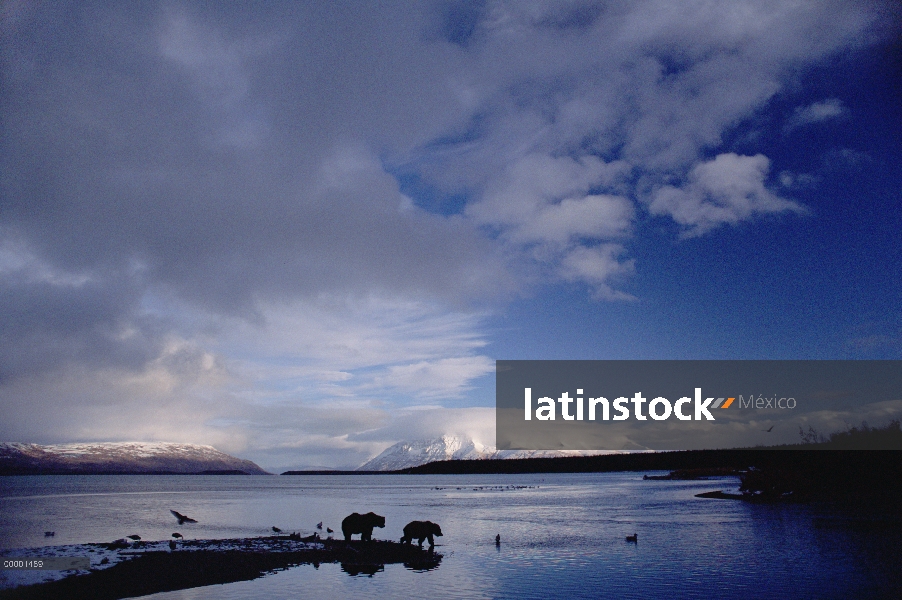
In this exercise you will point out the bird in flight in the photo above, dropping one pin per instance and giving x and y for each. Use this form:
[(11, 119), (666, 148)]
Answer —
[(137, 538), (176, 535), (276, 529), (319, 525), (767, 430), (182, 518)]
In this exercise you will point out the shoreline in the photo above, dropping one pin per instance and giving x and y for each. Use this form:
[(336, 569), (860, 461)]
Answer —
[(145, 568)]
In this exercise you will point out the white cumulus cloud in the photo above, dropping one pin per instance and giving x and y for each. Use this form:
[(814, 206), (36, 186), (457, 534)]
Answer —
[(726, 190)]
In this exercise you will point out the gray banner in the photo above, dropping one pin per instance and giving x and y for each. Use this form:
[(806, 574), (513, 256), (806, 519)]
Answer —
[(684, 405)]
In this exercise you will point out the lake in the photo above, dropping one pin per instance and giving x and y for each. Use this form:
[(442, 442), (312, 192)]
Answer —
[(562, 535)]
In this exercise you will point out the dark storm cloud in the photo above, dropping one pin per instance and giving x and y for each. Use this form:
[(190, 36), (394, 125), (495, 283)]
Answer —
[(215, 156), (46, 325)]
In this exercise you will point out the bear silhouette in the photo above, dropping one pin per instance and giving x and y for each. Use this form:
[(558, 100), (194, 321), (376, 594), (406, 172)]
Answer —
[(421, 530), (362, 524)]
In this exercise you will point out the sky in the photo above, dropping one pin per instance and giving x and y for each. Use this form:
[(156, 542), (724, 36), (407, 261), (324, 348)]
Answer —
[(302, 232)]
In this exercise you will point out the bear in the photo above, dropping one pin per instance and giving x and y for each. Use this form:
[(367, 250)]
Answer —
[(362, 524), (421, 530)]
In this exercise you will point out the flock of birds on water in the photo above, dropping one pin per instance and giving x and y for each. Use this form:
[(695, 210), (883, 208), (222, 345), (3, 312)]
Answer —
[(182, 519)]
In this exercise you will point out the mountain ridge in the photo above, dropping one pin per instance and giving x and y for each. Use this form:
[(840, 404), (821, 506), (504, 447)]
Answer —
[(17, 458), (408, 454)]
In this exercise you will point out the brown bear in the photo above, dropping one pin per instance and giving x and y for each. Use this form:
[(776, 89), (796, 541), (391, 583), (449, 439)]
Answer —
[(421, 530), (362, 524)]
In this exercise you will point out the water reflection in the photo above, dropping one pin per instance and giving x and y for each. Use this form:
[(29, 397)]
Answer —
[(358, 570), (428, 562)]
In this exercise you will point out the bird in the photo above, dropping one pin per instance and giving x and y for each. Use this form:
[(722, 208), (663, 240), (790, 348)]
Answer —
[(49, 533), (767, 430), (137, 538), (276, 529), (177, 535), (319, 525), (498, 540), (172, 544), (182, 518), (633, 538), (329, 530)]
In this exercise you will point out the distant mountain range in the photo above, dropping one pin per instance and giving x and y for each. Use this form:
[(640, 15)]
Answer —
[(405, 455), (120, 457)]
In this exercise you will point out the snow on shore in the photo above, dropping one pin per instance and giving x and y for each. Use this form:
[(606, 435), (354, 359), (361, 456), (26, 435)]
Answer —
[(104, 556)]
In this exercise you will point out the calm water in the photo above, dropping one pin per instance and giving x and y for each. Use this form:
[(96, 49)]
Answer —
[(562, 535)]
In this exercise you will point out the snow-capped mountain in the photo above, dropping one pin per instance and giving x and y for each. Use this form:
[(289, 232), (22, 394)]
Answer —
[(410, 454), (404, 455), (119, 457)]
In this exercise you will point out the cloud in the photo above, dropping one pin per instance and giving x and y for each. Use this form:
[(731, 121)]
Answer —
[(429, 421), (203, 213), (544, 204), (318, 449), (727, 190), (816, 113), (391, 351), (444, 377), (51, 317), (616, 103), (304, 375), (171, 399), (597, 266), (591, 217)]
